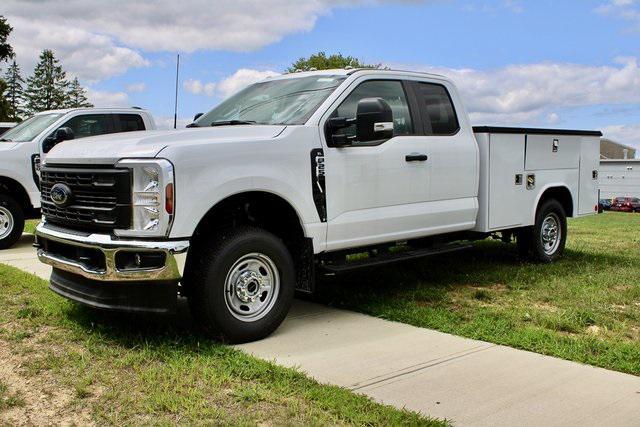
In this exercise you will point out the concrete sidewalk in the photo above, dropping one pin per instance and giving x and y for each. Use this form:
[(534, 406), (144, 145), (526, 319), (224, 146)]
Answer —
[(466, 381)]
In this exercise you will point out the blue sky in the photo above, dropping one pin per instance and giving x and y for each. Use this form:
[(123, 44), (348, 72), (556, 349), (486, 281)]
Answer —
[(569, 63)]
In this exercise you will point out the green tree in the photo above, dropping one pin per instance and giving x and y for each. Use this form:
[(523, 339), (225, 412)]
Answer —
[(77, 96), (6, 51), (47, 89), (320, 61), (5, 109), (14, 93)]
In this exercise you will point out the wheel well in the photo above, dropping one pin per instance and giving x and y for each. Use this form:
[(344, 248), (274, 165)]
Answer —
[(17, 191), (260, 209), (562, 195)]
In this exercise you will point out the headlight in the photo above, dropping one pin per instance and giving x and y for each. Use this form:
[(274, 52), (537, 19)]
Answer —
[(152, 197)]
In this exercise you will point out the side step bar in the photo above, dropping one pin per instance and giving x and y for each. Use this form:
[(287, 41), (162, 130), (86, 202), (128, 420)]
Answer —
[(388, 258)]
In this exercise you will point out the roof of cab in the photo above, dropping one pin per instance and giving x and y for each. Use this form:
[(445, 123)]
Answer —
[(69, 110), (350, 71)]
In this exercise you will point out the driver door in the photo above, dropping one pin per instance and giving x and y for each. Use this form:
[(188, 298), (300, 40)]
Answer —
[(377, 191), (82, 125)]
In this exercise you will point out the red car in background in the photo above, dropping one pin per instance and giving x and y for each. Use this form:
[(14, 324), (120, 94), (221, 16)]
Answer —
[(626, 204)]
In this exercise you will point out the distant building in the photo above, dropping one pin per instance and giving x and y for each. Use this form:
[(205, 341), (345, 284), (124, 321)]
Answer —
[(619, 178), (614, 150)]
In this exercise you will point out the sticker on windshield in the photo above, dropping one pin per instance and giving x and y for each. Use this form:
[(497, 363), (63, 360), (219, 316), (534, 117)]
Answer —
[(326, 79)]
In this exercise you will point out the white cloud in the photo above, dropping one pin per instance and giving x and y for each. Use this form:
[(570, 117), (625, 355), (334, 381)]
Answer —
[(625, 9), (532, 93), (229, 85), (241, 79), (198, 88), (101, 98), (553, 118), (89, 56), (136, 87), (188, 25), (97, 40)]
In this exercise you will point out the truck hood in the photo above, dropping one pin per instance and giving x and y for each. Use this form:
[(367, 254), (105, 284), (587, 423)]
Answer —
[(7, 145), (108, 149)]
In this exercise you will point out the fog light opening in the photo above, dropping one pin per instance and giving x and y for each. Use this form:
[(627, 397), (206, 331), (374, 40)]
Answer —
[(142, 260)]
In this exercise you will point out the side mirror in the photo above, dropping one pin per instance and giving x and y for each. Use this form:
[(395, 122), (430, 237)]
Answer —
[(61, 134), (193, 123), (374, 120), (333, 125)]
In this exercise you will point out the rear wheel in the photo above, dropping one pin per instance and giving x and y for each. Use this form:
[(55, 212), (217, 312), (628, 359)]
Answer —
[(11, 221), (545, 241), (242, 286), (549, 231)]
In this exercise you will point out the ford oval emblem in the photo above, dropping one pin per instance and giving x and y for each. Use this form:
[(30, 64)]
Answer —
[(61, 195)]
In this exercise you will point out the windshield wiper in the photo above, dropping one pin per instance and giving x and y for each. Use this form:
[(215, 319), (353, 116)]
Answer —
[(233, 122), (5, 140)]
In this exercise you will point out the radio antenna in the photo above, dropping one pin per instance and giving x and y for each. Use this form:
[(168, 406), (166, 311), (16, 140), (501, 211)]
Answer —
[(175, 110)]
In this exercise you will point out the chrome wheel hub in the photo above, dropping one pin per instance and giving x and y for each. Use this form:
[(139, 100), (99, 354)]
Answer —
[(248, 286), (550, 233), (6, 222), (251, 287)]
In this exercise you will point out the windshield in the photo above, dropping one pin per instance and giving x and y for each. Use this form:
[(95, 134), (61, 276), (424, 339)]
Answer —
[(286, 101), (30, 128)]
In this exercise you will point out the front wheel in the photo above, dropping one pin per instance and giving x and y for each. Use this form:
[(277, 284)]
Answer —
[(243, 285), (11, 221)]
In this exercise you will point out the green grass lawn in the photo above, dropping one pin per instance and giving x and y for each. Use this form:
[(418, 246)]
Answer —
[(30, 226), (586, 307), (65, 364)]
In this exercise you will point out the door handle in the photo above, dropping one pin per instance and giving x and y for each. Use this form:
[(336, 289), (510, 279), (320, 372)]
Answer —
[(416, 157)]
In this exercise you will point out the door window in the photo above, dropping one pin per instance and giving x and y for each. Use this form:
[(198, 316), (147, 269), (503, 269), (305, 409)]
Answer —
[(436, 109), (129, 123), (88, 125), (389, 90)]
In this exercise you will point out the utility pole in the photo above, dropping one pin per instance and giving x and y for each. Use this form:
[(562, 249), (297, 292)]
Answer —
[(175, 111)]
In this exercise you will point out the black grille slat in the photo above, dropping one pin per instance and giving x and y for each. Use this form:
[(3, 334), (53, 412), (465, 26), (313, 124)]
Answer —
[(101, 198)]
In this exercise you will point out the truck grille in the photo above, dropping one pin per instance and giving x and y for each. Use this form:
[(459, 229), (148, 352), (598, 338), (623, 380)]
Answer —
[(100, 198)]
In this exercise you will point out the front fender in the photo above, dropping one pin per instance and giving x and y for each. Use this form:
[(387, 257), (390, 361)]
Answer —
[(15, 164)]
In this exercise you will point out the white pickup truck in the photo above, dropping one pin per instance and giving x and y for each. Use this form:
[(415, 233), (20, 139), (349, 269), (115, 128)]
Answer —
[(22, 147), (287, 178)]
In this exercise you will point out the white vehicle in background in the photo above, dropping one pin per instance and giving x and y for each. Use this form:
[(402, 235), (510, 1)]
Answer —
[(290, 176), (23, 146), (5, 126)]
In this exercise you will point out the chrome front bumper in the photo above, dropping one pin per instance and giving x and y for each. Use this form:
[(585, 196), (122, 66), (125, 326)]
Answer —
[(173, 269)]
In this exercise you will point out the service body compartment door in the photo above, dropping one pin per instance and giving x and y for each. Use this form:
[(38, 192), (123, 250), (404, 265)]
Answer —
[(589, 162), (507, 202), (546, 152)]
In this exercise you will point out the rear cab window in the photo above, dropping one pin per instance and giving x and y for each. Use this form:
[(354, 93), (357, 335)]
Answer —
[(437, 112), (128, 123)]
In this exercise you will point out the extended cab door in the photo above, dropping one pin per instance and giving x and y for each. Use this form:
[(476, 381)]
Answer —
[(84, 125), (453, 156), (391, 189)]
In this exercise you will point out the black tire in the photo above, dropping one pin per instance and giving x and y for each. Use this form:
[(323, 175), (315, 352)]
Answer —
[(12, 216), (524, 240), (549, 209), (208, 296)]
